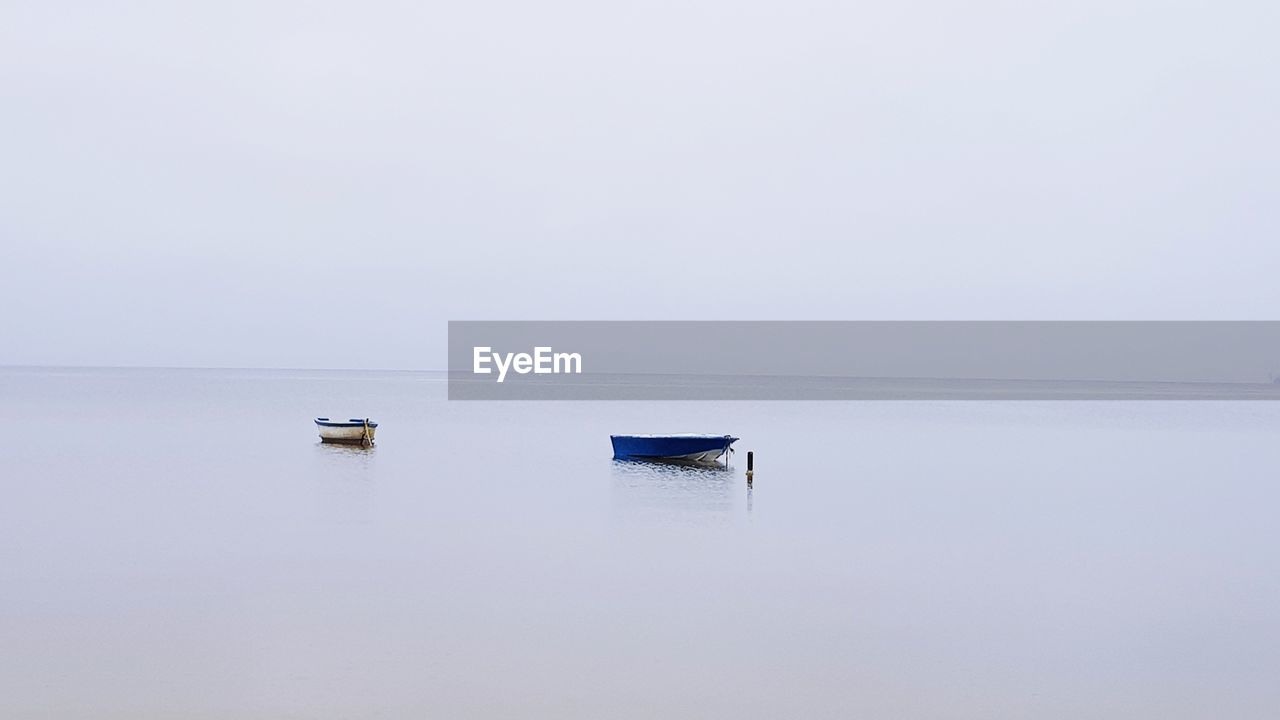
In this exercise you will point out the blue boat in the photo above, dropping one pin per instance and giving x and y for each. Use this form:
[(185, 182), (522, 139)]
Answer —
[(682, 448)]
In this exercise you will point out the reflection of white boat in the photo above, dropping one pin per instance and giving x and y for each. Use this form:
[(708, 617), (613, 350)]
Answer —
[(355, 430)]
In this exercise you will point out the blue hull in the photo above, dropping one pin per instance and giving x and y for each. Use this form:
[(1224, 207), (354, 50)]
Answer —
[(693, 448)]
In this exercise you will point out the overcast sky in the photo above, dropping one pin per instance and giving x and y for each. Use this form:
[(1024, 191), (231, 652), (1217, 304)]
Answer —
[(325, 185)]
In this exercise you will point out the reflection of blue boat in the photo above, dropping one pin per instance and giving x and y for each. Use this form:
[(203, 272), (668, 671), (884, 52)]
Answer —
[(688, 448)]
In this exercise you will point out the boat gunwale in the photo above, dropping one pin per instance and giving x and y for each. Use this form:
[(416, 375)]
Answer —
[(331, 423), (681, 436)]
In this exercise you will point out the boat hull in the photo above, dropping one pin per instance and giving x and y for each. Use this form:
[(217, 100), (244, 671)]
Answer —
[(345, 432), (678, 448)]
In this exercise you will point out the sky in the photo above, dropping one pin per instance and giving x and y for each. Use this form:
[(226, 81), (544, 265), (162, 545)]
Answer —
[(322, 184)]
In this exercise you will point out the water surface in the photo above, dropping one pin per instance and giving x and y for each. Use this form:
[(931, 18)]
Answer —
[(176, 543)]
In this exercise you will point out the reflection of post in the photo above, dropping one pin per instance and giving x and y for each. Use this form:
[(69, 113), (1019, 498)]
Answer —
[(751, 467), (748, 499)]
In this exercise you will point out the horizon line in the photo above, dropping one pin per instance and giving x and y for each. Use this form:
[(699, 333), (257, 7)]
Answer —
[(29, 366), (734, 375)]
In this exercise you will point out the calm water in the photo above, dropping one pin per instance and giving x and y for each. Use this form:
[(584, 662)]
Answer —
[(177, 544)]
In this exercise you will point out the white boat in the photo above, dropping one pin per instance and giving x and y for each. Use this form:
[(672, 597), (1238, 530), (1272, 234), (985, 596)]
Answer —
[(355, 430)]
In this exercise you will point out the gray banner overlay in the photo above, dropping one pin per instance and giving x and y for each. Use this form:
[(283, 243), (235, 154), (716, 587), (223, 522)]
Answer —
[(801, 360)]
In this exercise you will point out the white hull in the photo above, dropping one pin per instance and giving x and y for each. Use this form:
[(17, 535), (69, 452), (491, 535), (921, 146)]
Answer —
[(345, 434)]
